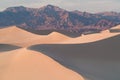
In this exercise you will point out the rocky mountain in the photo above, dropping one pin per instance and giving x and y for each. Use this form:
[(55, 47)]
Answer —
[(54, 18)]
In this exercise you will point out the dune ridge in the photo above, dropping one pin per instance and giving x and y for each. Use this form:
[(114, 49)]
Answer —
[(89, 55), (115, 29), (23, 64), (16, 36), (95, 61), (91, 37), (19, 37)]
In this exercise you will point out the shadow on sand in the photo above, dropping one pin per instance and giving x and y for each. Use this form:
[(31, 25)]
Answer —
[(96, 61), (7, 47)]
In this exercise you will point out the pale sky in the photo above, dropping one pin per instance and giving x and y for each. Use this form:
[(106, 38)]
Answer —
[(81, 5)]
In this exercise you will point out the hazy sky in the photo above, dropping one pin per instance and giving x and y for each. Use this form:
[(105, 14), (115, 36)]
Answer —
[(82, 5)]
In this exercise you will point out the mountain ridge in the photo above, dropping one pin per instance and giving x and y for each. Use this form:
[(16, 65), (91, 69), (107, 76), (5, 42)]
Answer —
[(54, 18)]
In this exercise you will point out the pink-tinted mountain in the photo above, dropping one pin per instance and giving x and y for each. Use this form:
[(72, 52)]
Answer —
[(56, 19)]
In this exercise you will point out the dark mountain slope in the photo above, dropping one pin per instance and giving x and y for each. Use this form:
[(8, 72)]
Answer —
[(54, 18)]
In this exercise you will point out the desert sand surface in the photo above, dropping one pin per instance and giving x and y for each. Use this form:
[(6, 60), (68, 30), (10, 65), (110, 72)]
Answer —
[(91, 37), (94, 56), (16, 36), (115, 29), (98, 60), (23, 64)]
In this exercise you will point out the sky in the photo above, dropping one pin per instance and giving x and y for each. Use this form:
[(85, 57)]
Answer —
[(81, 5)]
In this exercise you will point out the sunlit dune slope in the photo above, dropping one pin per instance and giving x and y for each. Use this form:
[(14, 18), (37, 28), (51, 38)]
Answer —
[(23, 64), (19, 37), (115, 29), (91, 37)]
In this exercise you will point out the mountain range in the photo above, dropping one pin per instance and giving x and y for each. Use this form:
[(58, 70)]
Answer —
[(54, 18)]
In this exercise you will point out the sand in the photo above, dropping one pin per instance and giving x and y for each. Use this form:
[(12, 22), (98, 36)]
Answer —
[(16, 36), (98, 60), (23, 64), (115, 29), (91, 37), (94, 56)]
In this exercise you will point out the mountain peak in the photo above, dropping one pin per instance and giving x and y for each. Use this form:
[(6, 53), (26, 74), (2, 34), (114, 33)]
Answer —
[(15, 9), (52, 17), (52, 7)]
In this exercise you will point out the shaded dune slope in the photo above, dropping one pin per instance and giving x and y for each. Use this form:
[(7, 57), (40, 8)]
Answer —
[(98, 60), (23, 64), (47, 32), (7, 47)]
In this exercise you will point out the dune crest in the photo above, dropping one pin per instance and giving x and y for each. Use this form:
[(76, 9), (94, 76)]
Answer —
[(25, 64), (19, 37), (16, 36), (98, 60), (91, 37), (116, 27)]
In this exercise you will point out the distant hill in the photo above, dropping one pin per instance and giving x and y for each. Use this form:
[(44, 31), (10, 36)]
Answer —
[(54, 18)]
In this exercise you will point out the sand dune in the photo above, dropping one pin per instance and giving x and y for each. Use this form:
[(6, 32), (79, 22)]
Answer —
[(23, 64), (96, 61), (115, 29), (96, 56), (91, 37), (19, 37)]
